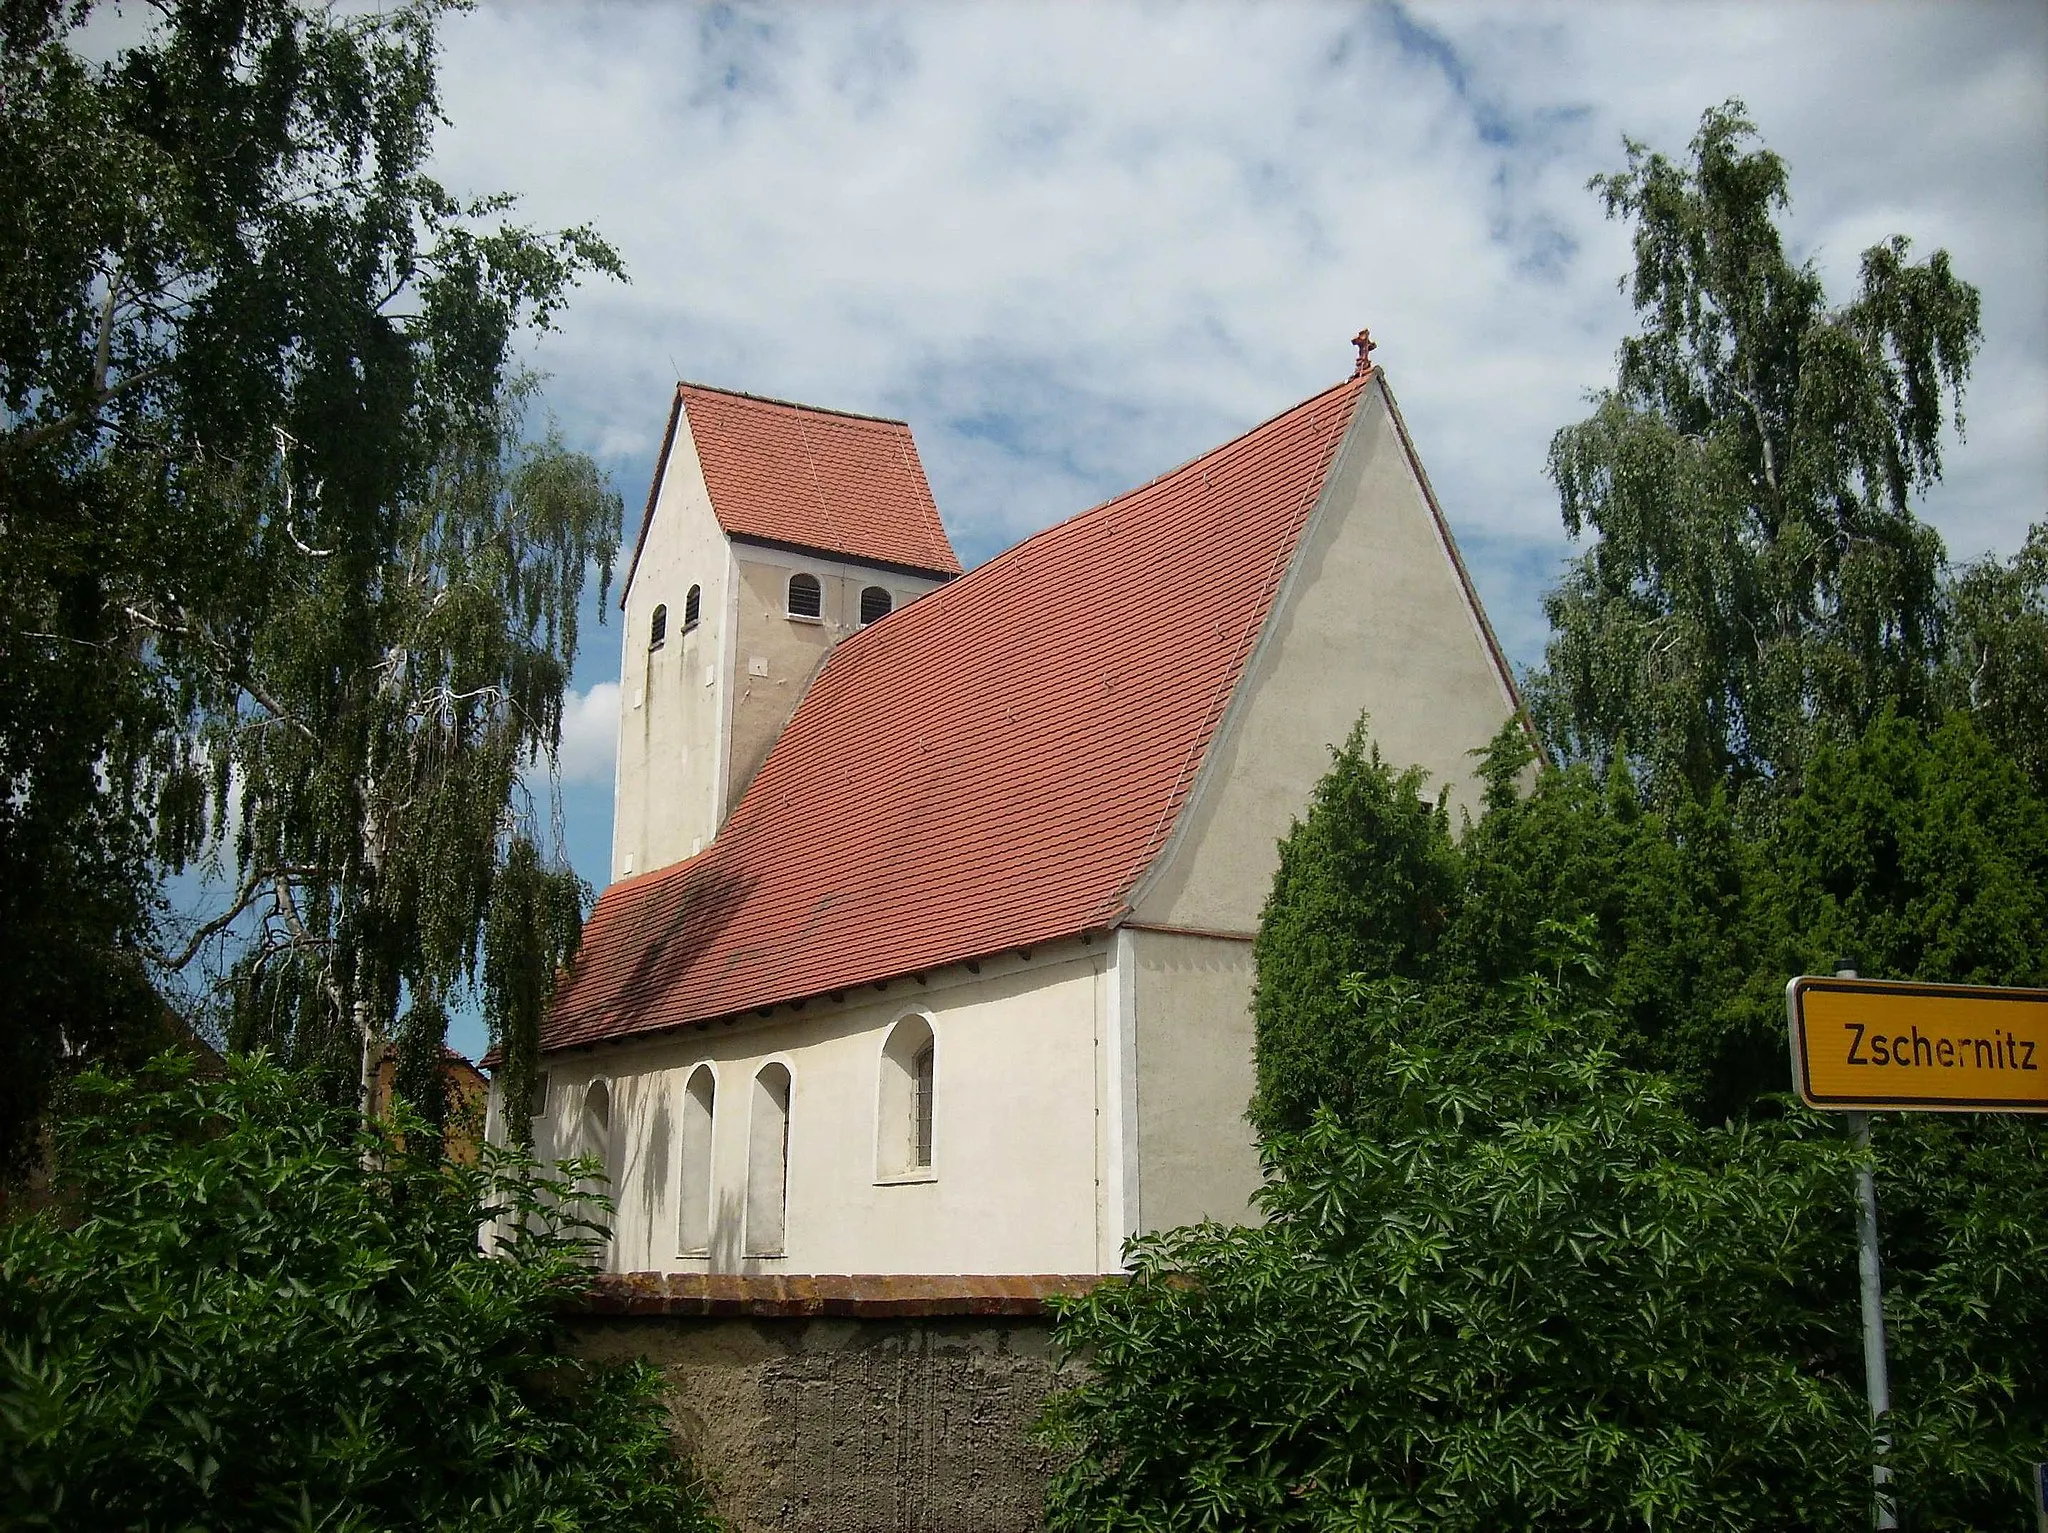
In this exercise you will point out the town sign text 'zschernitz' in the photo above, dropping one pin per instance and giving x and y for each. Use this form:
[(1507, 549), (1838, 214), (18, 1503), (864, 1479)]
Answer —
[(1867, 1045)]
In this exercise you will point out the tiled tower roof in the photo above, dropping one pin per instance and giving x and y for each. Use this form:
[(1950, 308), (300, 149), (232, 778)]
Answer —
[(810, 478)]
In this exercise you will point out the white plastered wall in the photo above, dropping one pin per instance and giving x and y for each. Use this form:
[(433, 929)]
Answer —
[(1192, 1032), (672, 700), (1019, 1155)]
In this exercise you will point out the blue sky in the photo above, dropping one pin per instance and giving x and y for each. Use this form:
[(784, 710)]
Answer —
[(1074, 245)]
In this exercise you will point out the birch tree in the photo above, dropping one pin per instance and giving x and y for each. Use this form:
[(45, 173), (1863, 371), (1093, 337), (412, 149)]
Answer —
[(254, 368), (1756, 580), (363, 767)]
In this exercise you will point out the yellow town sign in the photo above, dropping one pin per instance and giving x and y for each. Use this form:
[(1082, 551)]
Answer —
[(1868, 1045)]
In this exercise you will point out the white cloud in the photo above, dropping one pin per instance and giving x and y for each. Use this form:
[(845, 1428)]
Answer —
[(590, 735), (1075, 245)]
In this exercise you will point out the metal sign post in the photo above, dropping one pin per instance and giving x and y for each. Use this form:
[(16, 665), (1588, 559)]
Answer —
[(1877, 1373), (1862, 1045), (1877, 1379)]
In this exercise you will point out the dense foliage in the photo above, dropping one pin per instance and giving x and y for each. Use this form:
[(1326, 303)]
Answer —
[(1918, 852), (1529, 1156), (1520, 1288), (260, 493), (1997, 666), (1548, 1242), (247, 1312), (359, 770)]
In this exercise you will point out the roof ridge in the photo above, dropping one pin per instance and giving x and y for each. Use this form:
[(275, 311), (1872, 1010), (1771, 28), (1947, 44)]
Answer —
[(791, 404), (961, 580), (1123, 495), (1222, 447)]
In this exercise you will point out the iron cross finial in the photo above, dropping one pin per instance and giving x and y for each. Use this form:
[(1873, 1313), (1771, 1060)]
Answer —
[(1363, 341)]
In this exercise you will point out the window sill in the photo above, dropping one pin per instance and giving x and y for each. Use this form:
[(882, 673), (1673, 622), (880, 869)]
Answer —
[(908, 1178), (764, 1256), (798, 617)]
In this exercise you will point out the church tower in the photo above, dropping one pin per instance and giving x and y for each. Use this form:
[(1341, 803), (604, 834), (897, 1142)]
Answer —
[(772, 531)]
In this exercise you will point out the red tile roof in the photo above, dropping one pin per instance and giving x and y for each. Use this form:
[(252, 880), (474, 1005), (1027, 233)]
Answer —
[(993, 766), (812, 478)]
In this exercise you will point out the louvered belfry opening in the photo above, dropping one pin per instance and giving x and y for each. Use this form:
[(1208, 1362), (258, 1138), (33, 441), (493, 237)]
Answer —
[(693, 604), (806, 598), (875, 604), (657, 628)]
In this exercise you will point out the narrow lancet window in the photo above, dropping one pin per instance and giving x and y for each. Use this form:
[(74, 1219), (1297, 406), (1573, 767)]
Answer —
[(594, 1142), (905, 1103), (693, 1185), (768, 1164)]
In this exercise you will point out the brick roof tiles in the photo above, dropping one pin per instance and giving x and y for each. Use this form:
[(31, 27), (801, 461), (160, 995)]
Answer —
[(993, 766), (814, 478)]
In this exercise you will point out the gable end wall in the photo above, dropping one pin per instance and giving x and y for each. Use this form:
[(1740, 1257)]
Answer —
[(1374, 617)]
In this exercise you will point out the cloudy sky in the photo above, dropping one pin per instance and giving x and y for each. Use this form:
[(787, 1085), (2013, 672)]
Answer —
[(1074, 245)]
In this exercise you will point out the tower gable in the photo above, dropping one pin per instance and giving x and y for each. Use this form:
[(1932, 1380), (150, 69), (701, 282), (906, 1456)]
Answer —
[(752, 498)]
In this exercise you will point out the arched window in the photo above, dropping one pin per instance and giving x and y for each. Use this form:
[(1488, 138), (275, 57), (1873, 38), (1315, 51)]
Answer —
[(768, 1163), (875, 604), (692, 605), (693, 1212), (594, 1140), (806, 596), (904, 1104), (657, 628)]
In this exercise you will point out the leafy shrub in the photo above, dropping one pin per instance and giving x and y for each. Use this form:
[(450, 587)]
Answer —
[(246, 1311), (1366, 884), (1520, 1288)]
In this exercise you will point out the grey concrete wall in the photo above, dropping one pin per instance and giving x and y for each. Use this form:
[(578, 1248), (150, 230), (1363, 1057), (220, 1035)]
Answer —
[(920, 1424)]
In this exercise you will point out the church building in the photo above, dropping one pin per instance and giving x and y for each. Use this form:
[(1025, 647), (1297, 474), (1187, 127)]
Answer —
[(929, 943)]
